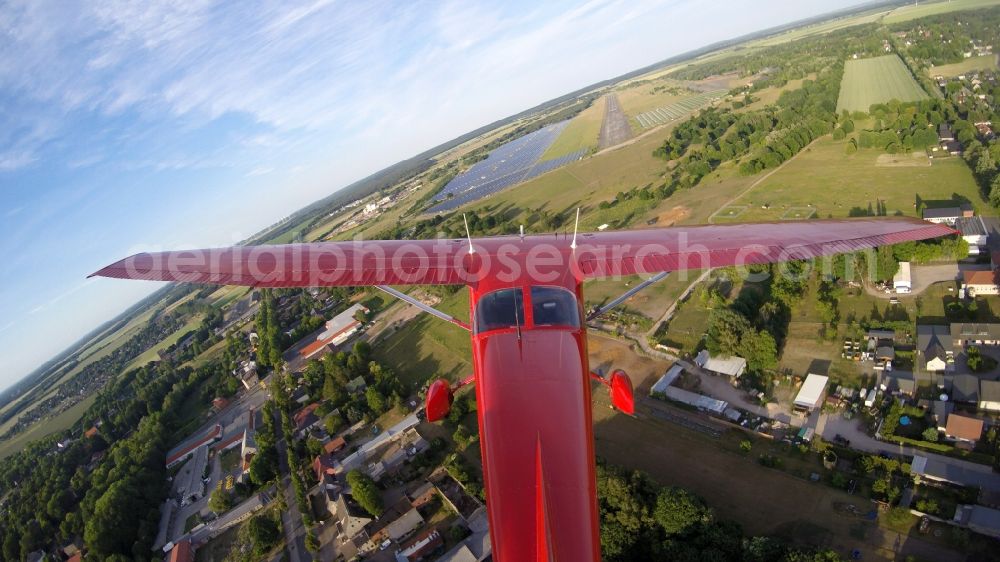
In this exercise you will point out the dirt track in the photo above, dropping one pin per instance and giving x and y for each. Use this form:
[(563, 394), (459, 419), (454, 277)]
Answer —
[(615, 129)]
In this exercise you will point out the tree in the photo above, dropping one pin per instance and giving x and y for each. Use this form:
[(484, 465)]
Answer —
[(264, 466), (930, 434), (746, 446), (678, 510), (365, 492), (375, 400), (220, 501), (333, 391), (262, 532), (333, 423)]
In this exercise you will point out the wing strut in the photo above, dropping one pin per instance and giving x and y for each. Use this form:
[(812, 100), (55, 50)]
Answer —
[(422, 306), (628, 294)]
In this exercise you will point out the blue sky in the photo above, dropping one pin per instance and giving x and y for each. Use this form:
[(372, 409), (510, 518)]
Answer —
[(130, 126)]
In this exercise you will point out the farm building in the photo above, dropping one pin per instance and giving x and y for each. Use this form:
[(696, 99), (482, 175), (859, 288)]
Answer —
[(989, 395), (730, 366), (935, 348), (963, 428), (810, 396), (667, 379), (974, 232), (979, 283), (901, 281), (970, 333), (943, 215), (965, 388), (699, 401)]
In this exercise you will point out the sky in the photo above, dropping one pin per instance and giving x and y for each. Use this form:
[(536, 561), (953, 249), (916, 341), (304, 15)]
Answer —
[(155, 125)]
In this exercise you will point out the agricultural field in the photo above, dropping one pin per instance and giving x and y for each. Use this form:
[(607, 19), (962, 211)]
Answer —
[(823, 181), (922, 10), (46, 427), (876, 80), (580, 134), (985, 62)]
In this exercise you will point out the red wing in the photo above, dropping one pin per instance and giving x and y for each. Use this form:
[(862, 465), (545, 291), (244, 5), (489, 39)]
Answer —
[(697, 247), (352, 263), (514, 260)]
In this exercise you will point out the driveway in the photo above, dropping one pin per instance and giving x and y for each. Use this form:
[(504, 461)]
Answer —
[(923, 276)]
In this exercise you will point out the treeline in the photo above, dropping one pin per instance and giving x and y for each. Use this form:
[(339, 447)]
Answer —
[(641, 520), (52, 496)]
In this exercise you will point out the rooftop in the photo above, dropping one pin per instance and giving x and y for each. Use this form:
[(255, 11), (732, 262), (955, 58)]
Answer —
[(964, 427), (989, 391), (980, 277), (971, 226), (811, 390), (943, 213), (965, 388)]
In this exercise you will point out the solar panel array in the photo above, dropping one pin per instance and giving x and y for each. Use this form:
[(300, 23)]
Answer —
[(510, 164), (673, 111)]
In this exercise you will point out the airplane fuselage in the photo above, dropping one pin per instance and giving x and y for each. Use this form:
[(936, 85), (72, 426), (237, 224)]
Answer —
[(536, 435)]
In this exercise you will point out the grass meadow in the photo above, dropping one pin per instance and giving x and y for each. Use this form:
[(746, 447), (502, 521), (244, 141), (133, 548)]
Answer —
[(985, 62), (876, 80), (581, 132)]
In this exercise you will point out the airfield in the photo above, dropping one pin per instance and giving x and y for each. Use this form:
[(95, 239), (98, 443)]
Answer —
[(589, 161)]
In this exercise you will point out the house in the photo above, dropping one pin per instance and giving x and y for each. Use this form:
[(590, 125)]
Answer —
[(90, 433), (474, 548), (810, 395), (982, 520), (943, 215), (300, 395), (970, 333), (901, 281), (979, 283), (181, 552), (989, 395), (421, 548), (963, 428), (945, 133), (935, 348), (356, 385), (306, 417), (730, 366), (965, 388), (942, 409), (351, 518), (943, 469), (184, 450), (973, 231), (901, 384), (334, 445), (324, 465), (248, 449), (405, 525), (422, 496)]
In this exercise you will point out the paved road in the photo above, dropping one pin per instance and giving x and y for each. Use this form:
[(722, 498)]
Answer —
[(291, 519), (615, 128)]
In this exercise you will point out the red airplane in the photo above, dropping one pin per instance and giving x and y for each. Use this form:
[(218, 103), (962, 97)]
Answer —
[(529, 339)]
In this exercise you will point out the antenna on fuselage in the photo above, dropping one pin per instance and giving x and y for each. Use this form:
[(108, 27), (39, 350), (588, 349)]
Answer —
[(522, 233), (468, 234), (575, 227)]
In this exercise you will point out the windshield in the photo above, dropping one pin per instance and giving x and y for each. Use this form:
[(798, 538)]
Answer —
[(553, 306), (500, 309)]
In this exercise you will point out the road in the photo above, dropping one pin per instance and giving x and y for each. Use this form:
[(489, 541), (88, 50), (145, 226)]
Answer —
[(615, 128), (291, 518)]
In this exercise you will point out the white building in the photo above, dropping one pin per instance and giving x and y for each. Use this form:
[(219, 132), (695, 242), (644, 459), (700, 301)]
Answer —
[(811, 394), (901, 282), (667, 379), (730, 366)]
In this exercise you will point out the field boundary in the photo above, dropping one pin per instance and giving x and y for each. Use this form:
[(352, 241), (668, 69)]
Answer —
[(785, 216)]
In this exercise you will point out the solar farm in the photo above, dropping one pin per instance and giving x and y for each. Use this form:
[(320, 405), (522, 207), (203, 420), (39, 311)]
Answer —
[(512, 163), (677, 110)]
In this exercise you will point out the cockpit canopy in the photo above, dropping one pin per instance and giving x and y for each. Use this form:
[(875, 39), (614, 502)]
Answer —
[(504, 308)]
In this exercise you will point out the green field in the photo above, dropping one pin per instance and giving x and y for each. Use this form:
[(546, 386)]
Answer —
[(833, 183), (48, 426), (581, 133), (985, 62), (876, 80), (428, 348), (910, 12)]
